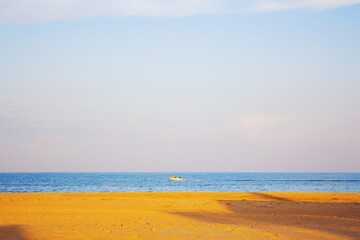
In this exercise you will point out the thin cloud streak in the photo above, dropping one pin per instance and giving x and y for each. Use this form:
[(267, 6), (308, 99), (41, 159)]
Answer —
[(281, 5), (34, 11)]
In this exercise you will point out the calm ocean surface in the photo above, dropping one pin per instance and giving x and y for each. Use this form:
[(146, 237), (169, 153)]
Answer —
[(158, 182)]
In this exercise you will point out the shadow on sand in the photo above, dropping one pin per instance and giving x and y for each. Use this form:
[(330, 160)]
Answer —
[(335, 218), (13, 232)]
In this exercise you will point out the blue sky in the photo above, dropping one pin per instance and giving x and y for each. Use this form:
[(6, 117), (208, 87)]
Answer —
[(191, 86)]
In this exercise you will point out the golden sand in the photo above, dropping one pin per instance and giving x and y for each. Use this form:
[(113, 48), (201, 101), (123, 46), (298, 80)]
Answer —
[(179, 216)]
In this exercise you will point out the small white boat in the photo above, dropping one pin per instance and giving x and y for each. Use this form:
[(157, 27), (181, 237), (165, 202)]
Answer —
[(174, 178)]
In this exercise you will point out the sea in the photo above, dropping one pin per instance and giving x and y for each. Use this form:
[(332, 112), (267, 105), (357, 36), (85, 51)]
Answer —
[(194, 182)]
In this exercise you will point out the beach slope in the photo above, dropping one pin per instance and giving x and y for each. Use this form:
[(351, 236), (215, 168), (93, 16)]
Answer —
[(182, 215)]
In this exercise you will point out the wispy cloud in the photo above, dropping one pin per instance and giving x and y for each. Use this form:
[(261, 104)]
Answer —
[(32, 11), (280, 5), (313, 129), (254, 126)]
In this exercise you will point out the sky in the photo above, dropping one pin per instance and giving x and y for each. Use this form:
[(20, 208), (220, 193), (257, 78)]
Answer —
[(200, 85)]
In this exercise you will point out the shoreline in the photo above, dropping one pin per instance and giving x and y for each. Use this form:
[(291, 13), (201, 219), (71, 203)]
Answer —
[(180, 215)]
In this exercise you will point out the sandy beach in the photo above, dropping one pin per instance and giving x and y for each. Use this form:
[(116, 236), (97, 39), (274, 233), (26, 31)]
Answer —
[(182, 215)]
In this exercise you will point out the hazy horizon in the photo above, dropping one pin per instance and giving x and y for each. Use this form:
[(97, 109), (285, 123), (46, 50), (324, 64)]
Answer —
[(186, 86)]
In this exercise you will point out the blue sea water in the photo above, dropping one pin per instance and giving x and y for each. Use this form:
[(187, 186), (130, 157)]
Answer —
[(194, 182)]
